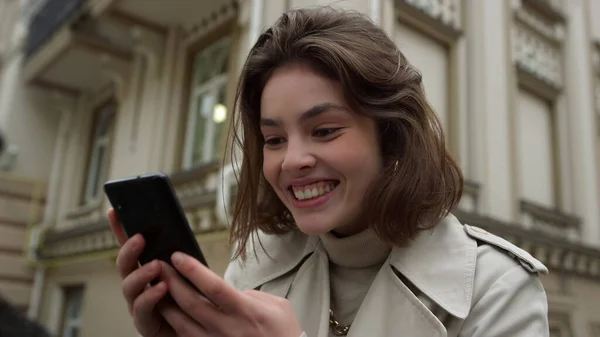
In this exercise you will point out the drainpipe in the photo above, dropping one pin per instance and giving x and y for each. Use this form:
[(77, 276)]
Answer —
[(49, 210), (375, 11), (226, 181), (227, 178), (256, 21)]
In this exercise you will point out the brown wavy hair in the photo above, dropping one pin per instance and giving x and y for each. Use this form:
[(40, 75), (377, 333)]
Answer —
[(419, 183)]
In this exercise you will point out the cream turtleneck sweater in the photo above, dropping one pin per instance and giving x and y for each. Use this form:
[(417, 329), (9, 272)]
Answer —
[(354, 261)]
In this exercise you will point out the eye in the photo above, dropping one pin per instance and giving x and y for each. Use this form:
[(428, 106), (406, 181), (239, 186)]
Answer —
[(325, 132), (274, 141)]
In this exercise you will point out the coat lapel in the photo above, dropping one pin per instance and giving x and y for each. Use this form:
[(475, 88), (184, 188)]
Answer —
[(440, 266), (440, 263), (391, 309), (310, 296)]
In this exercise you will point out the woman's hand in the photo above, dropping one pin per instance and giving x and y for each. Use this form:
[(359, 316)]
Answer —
[(144, 301), (225, 311)]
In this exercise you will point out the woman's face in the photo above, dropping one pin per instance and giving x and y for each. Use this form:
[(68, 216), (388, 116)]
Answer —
[(319, 156)]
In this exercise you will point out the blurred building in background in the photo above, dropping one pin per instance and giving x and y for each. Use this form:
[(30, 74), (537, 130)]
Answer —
[(98, 89)]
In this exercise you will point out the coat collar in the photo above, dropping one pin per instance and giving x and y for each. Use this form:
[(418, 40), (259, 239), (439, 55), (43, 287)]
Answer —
[(439, 262), (450, 256)]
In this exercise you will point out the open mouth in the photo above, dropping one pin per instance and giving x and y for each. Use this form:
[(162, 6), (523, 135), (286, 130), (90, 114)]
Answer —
[(313, 191)]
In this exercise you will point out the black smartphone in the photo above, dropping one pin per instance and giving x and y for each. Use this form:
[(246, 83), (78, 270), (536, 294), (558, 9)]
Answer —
[(147, 204)]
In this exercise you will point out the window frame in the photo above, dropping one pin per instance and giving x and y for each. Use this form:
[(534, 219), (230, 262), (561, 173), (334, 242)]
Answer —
[(94, 145), (214, 84), (67, 322), (553, 145)]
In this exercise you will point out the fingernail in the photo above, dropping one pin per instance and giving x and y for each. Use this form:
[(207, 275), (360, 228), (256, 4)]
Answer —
[(136, 244), (177, 258)]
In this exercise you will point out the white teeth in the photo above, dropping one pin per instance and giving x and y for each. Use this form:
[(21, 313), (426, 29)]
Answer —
[(313, 191)]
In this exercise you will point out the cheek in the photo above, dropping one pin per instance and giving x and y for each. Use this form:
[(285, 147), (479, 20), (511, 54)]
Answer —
[(271, 168), (360, 160)]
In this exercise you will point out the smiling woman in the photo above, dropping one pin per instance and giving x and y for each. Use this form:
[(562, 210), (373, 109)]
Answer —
[(342, 223), (383, 145), (319, 156)]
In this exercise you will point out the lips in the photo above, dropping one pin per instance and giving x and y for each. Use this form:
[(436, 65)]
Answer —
[(314, 190)]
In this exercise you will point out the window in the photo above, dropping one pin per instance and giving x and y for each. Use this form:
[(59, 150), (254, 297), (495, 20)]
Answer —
[(72, 313), (208, 110), (560, 324), (595, 329), (432, 60), (536, 150), (98, 161)]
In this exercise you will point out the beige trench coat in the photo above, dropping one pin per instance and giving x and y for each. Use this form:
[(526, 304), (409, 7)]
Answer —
[(452, 281)]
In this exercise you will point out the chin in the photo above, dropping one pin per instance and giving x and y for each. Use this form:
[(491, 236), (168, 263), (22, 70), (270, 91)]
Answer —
[(313, 227)]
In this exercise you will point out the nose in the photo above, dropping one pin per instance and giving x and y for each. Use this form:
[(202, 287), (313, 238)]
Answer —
[(297, 157)]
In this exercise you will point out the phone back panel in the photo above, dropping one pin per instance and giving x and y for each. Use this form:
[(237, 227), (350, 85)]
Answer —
[(148, 205)]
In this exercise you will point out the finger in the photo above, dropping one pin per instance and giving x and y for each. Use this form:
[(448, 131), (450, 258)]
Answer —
[(214, 287), (188, 298), (127, 260), (143, 306), (183, 324), (259, 295), (135, 283), (260, 298), (116, 227)]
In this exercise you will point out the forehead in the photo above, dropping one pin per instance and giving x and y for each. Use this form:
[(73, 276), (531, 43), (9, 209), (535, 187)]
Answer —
[(295, 88)]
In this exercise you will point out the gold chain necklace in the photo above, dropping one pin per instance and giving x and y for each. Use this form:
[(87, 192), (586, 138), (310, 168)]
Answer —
[(337, 328)]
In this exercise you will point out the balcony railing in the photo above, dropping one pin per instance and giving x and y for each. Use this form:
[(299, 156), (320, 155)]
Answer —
[(557, 253), (197, 191), (85, 230), (550, 221), (48, 20), (470, 197)]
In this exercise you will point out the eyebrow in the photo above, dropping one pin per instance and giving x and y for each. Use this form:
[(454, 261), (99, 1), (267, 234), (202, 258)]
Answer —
[(306, 115)]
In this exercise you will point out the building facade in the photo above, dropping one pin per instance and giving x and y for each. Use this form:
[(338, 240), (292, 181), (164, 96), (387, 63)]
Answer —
[(22, 191), (100, 89)]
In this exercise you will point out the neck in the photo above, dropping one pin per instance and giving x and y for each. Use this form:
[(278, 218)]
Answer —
[(361, 250), (349, 230)]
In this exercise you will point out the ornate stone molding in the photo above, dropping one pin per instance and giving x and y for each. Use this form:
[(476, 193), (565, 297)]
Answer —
[(537, 56), (557, 253), (448, 12), (87, 238), (208, 22), (82, 216), (537, 44), (551, 30), (551, 9)]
